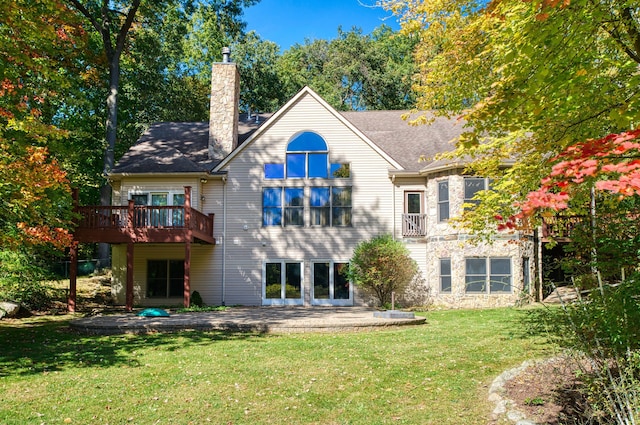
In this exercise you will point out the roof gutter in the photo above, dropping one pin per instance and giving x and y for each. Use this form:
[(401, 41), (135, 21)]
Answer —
[(402, 173), (205, 175), (458, 165)]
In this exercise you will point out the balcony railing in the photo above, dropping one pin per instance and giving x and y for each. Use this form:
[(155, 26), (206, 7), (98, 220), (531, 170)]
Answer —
[(414, 225), (141, 223), (560, 227)]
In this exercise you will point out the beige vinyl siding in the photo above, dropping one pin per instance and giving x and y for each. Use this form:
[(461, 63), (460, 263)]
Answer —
[(203, 275), (247, 247), (206, 260), (157, 184)]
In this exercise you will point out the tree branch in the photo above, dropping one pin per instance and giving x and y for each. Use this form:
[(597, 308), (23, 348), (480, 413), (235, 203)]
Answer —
[(633, 32), (76, 4), (122, 34)]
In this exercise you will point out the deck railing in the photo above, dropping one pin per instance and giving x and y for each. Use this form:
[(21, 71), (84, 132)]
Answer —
[(560, 227), (135, 218), (414, 225)]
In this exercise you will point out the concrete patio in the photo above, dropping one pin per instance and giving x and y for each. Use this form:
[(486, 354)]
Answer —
[(247, 319)]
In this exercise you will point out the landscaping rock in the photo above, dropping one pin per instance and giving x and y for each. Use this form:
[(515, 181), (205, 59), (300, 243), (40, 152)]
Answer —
[(12, 310)]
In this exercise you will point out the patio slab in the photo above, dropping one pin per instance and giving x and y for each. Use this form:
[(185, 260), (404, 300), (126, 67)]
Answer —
[(246, 319)]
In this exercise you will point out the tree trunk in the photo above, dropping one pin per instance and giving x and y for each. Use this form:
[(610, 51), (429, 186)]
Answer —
[(111, 137)]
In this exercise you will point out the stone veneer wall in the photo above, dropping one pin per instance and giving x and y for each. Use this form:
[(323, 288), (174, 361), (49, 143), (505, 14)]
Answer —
[(223, 109), (445, 241)]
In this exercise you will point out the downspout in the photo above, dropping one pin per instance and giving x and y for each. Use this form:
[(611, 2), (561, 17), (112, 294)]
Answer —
[(224, 237), (393, 200)]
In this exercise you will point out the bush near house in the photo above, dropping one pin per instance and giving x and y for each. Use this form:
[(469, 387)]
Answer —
[(382, 266)]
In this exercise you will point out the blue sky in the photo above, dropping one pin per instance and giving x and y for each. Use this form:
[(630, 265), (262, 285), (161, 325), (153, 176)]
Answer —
[(286, 22)]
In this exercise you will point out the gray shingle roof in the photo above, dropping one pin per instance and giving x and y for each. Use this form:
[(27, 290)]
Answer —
[(179, 147), (407, 143)]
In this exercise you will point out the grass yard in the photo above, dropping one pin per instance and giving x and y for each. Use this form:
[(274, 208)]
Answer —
[(437, 373)]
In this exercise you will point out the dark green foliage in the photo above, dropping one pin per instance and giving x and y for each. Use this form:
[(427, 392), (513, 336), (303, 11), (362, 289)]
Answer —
[(381, 266), (196, 299), (607, 321), (21, 280), (353, 71)]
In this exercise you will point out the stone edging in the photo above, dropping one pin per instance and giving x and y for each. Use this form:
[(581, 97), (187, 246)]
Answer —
[(504, 406)]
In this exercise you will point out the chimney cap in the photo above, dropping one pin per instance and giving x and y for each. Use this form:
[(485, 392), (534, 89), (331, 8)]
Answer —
[(225, 54)]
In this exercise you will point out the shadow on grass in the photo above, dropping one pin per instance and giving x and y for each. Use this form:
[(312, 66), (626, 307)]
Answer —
[(41, 345)]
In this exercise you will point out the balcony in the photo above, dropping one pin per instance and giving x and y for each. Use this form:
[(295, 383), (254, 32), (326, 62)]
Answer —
[(133, 224), (414, 225), (559, 228), (143, 224)]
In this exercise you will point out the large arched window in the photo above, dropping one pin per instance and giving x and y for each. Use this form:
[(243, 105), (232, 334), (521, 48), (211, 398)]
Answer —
[(307, 156)]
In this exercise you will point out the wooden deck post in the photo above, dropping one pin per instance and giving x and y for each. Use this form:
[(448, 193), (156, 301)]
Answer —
[(187, 246), (130, 247), (73, 276), (129, 289)]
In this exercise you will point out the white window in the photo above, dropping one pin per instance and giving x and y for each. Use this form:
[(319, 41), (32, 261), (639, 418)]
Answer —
[(445, 275), (330, 284), (488, 275), (443, 200), (282, 282), (161, 209), (473, 185)]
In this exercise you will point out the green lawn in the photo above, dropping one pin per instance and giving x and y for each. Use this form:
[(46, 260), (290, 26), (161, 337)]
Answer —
[(437, 373)]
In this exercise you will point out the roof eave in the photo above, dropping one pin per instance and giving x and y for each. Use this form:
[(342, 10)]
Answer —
[(194, 174)]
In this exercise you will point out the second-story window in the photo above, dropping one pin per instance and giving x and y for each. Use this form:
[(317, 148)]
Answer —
[(307, 163), (443, 200), (473, 185), (307, 156)]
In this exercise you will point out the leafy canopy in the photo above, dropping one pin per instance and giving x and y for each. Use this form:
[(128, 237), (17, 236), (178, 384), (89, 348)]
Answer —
[(529, 79), (36, 40)]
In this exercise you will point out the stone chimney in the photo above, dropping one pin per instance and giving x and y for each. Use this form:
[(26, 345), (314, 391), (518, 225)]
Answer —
[(223, 109)]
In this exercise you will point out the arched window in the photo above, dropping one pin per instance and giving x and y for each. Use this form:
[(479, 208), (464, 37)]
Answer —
[(307, 156)]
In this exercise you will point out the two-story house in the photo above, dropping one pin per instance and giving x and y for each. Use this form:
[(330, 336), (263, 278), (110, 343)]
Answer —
[(267, 209)]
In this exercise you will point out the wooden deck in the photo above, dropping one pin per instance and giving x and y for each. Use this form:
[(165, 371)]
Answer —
[(143, 224), (135, 224)]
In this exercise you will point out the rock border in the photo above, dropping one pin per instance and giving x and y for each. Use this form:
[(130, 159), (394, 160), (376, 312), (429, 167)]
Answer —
[(505, 406)]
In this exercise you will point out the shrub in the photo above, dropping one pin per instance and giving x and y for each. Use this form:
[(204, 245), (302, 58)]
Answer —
[(21, 280), (381, 266), (196, 299), (603, 329)]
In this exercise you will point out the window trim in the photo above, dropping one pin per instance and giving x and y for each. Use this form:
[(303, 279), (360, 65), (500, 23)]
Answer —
[(420, 194), (341, 302), (283, 300), (283, 207), (486, 185), (487, 276), (441, 275), (443, 202)]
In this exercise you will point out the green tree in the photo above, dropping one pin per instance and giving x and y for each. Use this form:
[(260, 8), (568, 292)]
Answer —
[(257, 61), (382, 266), (117, 26), (353, 71), (529, 79)]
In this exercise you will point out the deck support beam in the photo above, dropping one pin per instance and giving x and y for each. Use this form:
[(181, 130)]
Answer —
[(129, 289), (187, 247), (73, 277)]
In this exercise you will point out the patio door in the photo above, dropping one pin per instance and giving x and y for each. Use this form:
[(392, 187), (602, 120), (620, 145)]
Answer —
[(330, 284), (282, 283)]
